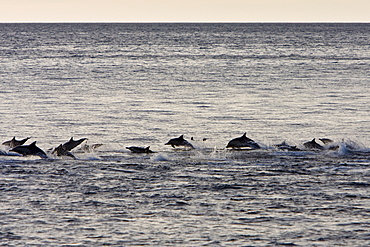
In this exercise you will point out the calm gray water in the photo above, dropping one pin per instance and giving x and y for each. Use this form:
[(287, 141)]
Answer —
[(142, 84)]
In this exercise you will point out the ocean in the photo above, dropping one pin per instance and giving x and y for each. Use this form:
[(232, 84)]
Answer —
[(142, 84)]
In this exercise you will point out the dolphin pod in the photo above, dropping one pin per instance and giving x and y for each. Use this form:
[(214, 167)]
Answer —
[(62, 150), (240, 143)]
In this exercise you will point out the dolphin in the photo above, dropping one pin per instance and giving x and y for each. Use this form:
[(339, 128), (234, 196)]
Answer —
[(62, 151), (179, 141), (313, 145), (71, 144), (14, 143), (285, 146), (31, 149), (90, 148), (241, 142), (326, 140), (140, 149), (329, 144)]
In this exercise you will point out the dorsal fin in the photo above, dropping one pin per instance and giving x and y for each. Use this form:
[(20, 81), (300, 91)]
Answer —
[(181, 137), (33, 143)]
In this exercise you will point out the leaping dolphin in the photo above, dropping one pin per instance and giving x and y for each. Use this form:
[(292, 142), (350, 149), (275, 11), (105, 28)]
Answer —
[(62, 151), (179, 141), (71, 144), (326, 140), (14, 143), (140, 149), (31, 149), (313, 145), (329, 144), (242, 142)]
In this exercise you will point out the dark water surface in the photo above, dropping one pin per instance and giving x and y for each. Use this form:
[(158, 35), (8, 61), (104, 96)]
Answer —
[(250, 200)]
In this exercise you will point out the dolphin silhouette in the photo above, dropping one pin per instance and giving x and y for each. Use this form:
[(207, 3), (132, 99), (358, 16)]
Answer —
[(31, 149), (71, 144), (326, 140), (179, 141), (313, 145), (329, 144), (62, 151), (242, 142), (14, 143), (140, 149), (286, 146)]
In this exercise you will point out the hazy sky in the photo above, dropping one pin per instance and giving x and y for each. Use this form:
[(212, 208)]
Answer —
[(184, 10)]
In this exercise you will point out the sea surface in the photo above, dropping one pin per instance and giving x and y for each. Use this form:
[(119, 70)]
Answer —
[(130, 84)]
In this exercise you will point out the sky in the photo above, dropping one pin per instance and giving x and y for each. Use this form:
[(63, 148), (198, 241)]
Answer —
[(184, 11)]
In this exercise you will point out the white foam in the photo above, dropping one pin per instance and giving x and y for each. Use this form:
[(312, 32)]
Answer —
[(159, 157)]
